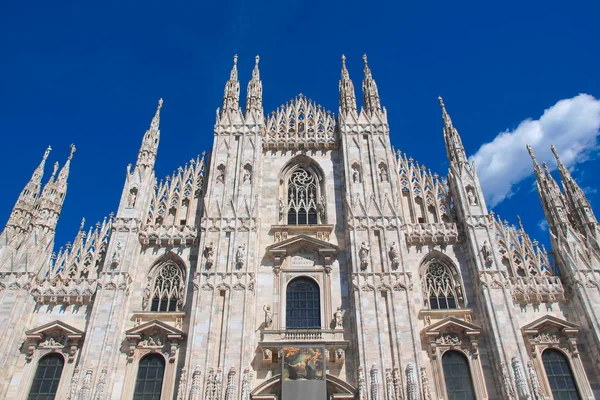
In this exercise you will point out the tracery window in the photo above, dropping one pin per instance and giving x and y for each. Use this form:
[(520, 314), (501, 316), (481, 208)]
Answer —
[(457, 376), (149, 382), (441, 289), (168, 289), (559, 375), (303, 306), (302, 198), (47, 377)]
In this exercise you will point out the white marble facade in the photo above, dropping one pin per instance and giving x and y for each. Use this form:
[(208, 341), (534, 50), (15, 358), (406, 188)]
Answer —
[(410, 267)]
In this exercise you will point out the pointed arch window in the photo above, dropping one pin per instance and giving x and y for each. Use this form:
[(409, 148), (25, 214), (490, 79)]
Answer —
[(457, 376), (149, 381), (303, 304), (168, 288), (441, 288), (47, 377), (559, 375), (302, 198)]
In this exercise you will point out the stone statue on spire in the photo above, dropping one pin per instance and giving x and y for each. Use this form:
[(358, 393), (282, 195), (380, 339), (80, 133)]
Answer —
[(254, 92), (231, 96), (347, 95)]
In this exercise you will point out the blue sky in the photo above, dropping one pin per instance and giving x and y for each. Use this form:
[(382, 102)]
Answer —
[(91, 74)]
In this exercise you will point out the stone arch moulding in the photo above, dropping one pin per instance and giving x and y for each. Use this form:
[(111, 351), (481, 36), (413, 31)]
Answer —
[(53, 337), (454, 334), (337, 389), (550, 332)]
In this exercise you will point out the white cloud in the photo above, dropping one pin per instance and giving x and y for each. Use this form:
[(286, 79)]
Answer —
[(572, 125), (543, 225)]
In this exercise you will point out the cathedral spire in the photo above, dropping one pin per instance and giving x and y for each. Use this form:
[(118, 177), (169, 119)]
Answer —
[(454, 147), (371, 101), (231, 97), (254, 92), (553, 202), (149, 147), (347, 95), (23, 210), (580, 206)]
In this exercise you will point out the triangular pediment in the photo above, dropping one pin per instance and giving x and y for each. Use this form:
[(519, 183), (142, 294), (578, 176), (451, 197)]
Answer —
[(151, 327), (294, 243), (53, 327), (454, 324), (550, 322)]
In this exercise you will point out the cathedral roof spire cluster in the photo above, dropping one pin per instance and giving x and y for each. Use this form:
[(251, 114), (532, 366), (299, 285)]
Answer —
[(149, 147), (347, 95), (254, 92), (371, 101), (454, 147), (231, 97)]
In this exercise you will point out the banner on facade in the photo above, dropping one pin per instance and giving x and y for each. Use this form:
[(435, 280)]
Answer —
[(303, 373)]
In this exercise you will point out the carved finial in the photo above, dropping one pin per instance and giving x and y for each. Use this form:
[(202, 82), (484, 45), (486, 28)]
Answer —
[(82, 224), (257, 59), (73, 148), (235, 58), (530, 150), (343, 59), (364, 57), (160, 103), (47, 153), (54, 171)]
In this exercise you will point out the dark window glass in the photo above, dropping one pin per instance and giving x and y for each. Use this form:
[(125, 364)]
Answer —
[(457, 376), (559, 375), (148, 384), (47, 377), (167, 292), (302, 198), (303, 308)]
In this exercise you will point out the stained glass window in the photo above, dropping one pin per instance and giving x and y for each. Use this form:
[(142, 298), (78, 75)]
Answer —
[(302, 198), (559, 375), (47, 377), (303, 308), (457, 376), (167, 294), (148, 384)]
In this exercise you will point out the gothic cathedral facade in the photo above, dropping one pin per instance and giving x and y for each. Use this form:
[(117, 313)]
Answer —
[(300, 229)]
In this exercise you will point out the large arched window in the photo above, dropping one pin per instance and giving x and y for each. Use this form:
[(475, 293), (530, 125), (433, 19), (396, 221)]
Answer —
[(148, 384), (441, 290), (302, 199), (303, 307), (457, 376), (47, 377), (168, 287), (559, 375)]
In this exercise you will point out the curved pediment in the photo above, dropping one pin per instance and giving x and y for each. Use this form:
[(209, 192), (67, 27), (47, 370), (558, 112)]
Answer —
[(301, 123)]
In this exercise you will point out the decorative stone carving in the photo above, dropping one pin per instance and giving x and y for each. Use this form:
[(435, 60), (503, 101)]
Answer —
[(182, 387), (321, 208), (246, 384), (132, 197), (394, 255), (535, 383), (448, 339), (208, 254), (375, 384), (425, 385), (56, 342), (338, 316), (150, 341), (486, 252), (267, 355), (281, 208), (231, 388), (362, 384), (268, 316), (545, 337), (196, 389), (73, 386), (412, 387), (363, 254), (471, 196), (519, 377), (390, 388), (86, 388), (383, 173), (240, 254), (101, 385), (507, 382), (340, 355)]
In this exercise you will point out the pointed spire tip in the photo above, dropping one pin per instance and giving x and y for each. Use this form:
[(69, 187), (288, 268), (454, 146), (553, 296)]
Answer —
[(235, 58), (257, 59)]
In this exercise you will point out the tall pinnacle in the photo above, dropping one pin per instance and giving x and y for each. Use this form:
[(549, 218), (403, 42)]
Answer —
[(347, 95), (254, 92), (23, 210), (231, 97), (371, 100), (454, 147), (149, 147), (553, 201), (64, 172), (578, 202)]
